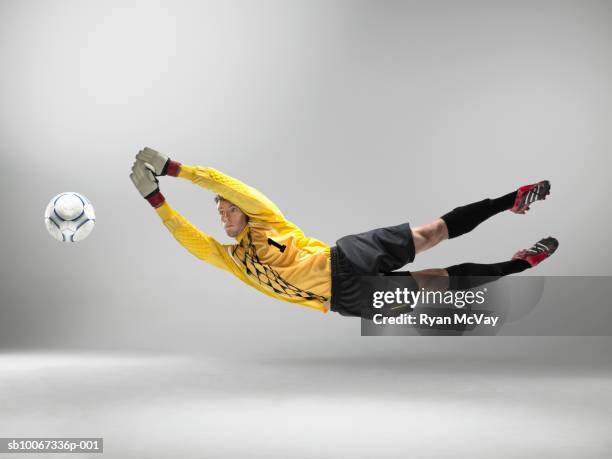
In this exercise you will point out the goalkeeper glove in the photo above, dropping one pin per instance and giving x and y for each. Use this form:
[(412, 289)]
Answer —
[(161, 165), (146, 184)]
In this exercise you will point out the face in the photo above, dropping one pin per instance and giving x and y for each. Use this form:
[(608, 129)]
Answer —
[(233, 219)]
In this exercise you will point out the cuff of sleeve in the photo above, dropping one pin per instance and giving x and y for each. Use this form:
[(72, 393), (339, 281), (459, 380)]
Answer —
[(173, 168), (156, 199)]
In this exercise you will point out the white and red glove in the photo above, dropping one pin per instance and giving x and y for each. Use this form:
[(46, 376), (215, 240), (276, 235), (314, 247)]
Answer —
[(149, 165), (160, 164), (146, 183)]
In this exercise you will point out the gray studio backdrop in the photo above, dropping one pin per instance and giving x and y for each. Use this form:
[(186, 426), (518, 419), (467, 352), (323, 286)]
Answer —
[(349, 115)]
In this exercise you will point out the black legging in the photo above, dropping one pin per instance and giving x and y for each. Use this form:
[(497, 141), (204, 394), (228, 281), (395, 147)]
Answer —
[(464, 219)]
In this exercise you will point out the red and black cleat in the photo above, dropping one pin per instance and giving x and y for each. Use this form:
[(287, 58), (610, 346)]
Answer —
[(541, 250), (528, 194)]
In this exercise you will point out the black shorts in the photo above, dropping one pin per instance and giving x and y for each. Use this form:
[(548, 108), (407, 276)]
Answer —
[(377, 252)]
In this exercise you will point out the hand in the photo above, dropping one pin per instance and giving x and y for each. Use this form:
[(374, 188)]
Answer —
[(146, 184), (160, 164)]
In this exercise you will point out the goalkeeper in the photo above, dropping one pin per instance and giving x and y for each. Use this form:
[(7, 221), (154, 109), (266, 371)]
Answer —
[(274, 256)]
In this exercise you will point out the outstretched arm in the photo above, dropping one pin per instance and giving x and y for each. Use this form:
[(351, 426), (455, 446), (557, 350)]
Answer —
[(198, 243), (251, 201)]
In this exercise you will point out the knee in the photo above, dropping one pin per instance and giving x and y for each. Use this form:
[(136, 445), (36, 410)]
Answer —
[(441, 229), (436, 272), (437, 230), (432, 279), (427, 236)]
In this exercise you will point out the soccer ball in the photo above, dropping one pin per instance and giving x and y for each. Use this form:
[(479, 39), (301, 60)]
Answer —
[(69, 217)]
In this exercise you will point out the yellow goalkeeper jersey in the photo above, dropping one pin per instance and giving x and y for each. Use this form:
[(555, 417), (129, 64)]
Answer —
[(271, 254)]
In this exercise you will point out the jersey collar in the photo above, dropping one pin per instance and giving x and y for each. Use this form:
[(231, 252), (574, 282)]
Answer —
[(243, 233)]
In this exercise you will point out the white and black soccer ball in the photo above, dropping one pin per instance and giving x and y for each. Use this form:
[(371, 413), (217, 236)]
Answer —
[(70, 217)]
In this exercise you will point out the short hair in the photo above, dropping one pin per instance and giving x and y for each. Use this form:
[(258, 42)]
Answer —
[(219, 198)]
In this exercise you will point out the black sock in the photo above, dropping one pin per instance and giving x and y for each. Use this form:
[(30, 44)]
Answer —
[(464, 219), (469, 275)]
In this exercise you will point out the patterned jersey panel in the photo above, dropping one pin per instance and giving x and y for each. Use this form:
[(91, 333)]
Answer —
[(284, 282)]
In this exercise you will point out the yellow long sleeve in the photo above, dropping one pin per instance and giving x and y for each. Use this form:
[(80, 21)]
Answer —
[(200, 244), (251, 201)]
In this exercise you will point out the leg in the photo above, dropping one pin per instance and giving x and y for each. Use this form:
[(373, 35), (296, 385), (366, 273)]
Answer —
[(464, 219), (466, 275), (432, 279), (460, 221), (469, 275), (427, 236)]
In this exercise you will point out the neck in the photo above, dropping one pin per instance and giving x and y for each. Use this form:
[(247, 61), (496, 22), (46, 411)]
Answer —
[(242, 233)]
